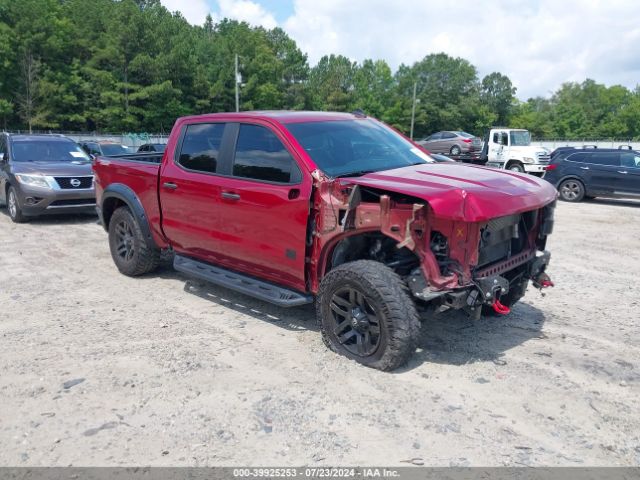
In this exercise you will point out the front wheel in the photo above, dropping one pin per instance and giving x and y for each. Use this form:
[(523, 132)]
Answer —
[(365, 313), (571, 190), (516, 167), (129, 249), (13, 207)]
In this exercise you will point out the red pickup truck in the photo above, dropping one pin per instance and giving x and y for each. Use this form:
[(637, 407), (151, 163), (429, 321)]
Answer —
[(289, 207)]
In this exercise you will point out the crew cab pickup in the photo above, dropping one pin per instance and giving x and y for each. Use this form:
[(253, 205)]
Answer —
[(292, 207)]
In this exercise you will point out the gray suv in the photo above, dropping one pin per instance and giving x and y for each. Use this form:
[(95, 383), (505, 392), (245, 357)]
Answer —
[(43, 174)]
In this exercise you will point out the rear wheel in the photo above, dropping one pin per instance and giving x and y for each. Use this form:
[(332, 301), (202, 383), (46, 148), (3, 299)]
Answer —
[(129, 249), (366, 314), (571, 190), (13, 206), (455, 150)]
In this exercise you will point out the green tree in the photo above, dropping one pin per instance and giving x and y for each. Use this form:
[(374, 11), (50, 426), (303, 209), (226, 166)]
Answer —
[(6, 109)]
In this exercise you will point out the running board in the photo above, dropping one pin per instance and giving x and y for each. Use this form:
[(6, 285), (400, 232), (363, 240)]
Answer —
[(241, 283)]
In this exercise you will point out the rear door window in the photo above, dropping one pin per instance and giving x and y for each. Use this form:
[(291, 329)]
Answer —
[(200, 149), (260, 155), (631, 159), (604, 158), (576, 157)]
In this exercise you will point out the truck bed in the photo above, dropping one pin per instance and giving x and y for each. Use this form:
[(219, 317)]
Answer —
[(138, 172)]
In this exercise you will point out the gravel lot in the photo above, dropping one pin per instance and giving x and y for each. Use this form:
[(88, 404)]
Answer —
[(101, 369)]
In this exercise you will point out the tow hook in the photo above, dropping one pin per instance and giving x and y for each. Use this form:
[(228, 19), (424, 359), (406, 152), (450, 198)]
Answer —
[(500, 309), (543, 281)]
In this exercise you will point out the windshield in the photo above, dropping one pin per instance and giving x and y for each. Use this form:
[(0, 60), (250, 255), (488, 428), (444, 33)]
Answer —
[(46, 151), (520, 138), (352, 147), (114, 149)]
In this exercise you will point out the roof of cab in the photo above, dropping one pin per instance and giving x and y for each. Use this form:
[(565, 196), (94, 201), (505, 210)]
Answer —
[(22, 137), (282, 116)]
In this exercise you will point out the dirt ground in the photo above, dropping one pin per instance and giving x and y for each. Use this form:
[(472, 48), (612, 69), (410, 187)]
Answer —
[(101, 369)]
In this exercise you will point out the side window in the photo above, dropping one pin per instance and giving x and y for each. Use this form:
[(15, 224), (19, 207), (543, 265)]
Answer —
[(201, 147), (630, 159), (448, 135), (609, 159), (435, 136), (92, 149), (260, 155), (3, 146), (501, 138), (144, 148), (577, 157)]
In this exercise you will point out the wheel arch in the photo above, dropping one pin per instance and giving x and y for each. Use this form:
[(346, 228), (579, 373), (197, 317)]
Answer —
[(354, 244), (571, 176), (119, 195), (511, 161)]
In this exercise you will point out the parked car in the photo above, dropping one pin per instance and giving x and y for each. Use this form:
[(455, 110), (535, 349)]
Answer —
[(441, 158), (152, 147), (43, 174), (451, 143), (105, 148), (587, 172), (289, 207)]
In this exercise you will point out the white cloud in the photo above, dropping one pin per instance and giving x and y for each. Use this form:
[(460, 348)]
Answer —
[(539, 43), (195, 11), (247, 11)]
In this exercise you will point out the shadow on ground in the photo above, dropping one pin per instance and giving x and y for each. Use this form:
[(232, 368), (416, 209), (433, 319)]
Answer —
[(614, 201), (59, 219), (453, 338), (449, 338)]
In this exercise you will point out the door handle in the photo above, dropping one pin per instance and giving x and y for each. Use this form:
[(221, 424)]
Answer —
[(170, 185), (623, 171), (584, 168), (230, 196)]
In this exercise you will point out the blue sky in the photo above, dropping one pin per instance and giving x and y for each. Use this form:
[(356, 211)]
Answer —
[(539, 44)]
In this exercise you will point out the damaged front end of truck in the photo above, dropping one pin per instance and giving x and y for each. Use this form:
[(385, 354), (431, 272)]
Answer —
[(447, 245)]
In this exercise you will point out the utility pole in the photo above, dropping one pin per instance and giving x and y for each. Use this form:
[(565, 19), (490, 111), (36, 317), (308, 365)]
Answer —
[(237, 86), (413, 108)]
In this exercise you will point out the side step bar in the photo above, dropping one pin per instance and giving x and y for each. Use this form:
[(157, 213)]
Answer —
[(241, 283)]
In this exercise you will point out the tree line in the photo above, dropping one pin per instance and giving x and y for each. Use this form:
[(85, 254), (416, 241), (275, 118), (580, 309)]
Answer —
[(131, 65)]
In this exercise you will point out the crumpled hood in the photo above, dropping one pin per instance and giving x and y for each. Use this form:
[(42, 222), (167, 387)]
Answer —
[(54, 169), (464, 192)]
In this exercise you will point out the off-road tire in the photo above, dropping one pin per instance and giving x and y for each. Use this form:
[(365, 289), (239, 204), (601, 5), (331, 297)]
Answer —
[(393, 308), (14, 210), (143, 258), (571, 190)]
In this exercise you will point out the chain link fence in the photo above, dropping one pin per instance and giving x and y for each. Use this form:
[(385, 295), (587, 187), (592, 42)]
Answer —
[(130, 139)]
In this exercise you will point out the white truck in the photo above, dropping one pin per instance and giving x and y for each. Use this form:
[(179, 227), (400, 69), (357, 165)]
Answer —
[(511, 149)]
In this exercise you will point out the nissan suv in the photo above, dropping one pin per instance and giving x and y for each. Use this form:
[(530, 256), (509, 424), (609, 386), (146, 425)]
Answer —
[(43, 174), (581, 173)]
